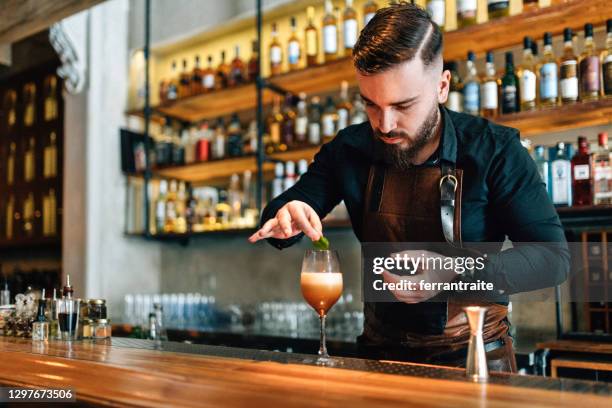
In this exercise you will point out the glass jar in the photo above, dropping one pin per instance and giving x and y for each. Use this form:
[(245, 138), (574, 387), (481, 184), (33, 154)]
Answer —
[(86, 329), (7, 313), (97, 308), (101, 329)]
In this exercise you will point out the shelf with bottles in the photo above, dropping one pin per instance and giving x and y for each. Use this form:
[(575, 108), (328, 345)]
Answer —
[(298, 66)]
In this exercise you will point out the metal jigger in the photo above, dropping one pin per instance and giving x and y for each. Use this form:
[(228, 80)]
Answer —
[(476, 365)]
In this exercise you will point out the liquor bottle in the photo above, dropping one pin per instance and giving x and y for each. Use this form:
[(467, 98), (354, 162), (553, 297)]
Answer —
[(203, 146), (50, 157), (455, 93), (568, 67), (490, 89), (179, 140), (301, 121), (29, 97), (251, 144), (560, 178), (509, 87), (330, 33), (180, 222), (208, 78), (582, 183), (40, 328), (275, 122), (543, 165), (10, 216), (277, 182), (170, 212), (163, 91), (253, 66), (234, 199), (288, 126), (10, 106), (590, 85), (10, 164), (369, 9), (276, 53), (527, 77), (223, 73), (29, 161), (602, 172), (344, 106), (290, 177), (173, 86), (437, 11), (160, 207), (49, 214), (28, 215), (329, 120), (185, 82), (219, 141), (234, 137), (549, 91), (311, 39), (358, 114), (50, 110), (237, 68), (606, 62), (190, 145), (466, 12), (197, 77), (294, 52), (350, 29), (314, 121), (471, 87), (498, 8)]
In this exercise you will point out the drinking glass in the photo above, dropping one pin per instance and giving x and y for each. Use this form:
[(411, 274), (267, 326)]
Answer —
[(321, 283), (68, 317)]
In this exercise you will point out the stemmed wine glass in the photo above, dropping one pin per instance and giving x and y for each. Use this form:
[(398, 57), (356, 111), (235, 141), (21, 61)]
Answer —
[(321, 283)]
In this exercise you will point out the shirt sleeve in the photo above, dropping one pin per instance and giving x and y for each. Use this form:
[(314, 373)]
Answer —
[(540, 257), (317, 187)]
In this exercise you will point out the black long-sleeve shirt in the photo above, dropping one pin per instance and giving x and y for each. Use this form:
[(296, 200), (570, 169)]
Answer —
[(503, 195)]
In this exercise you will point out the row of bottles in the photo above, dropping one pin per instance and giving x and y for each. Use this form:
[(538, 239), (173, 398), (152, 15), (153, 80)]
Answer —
[(467, 10), (296, 122), (29, 102), (30, 215), (26, 157), (542, 83), (577, 177)]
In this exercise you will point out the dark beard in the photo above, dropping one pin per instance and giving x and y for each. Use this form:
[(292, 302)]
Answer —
[(403, 159)]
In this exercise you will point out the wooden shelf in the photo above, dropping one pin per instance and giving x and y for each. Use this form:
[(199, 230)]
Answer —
[(210, 171), (558, 119)]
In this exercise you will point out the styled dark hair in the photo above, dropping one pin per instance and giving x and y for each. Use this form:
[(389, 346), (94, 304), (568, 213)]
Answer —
[(394, 35)]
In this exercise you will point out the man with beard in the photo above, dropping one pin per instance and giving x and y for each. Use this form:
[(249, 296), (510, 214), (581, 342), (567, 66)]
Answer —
[(417, 172)]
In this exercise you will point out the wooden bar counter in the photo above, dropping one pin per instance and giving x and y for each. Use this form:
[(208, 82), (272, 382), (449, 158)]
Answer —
[(129, 372)]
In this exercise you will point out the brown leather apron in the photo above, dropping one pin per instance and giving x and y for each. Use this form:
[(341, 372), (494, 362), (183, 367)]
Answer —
[(411, 206)]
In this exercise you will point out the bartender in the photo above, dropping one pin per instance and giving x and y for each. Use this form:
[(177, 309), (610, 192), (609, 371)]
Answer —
[(417, 172)]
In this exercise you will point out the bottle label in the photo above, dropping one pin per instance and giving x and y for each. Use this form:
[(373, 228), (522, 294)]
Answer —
[(589, 74), (209, 81), (367, 18), (343, 116), (569, 79), (350, 33), (607, 75), (528, 86), (301, 125), (466, 6), (437, 11), (471, 97), (560, 181), (276, 55), (548, 81), (294, 52), (455, 101), (311, 43), (489, 95), (330, 39), (314, 133), (329, 126), (509, 99), (581, 172)]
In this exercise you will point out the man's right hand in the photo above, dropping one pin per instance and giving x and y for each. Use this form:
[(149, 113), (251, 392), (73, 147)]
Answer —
[(293, 218)]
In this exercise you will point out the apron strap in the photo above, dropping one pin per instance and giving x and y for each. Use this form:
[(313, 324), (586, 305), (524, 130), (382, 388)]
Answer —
[(448, 187)]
